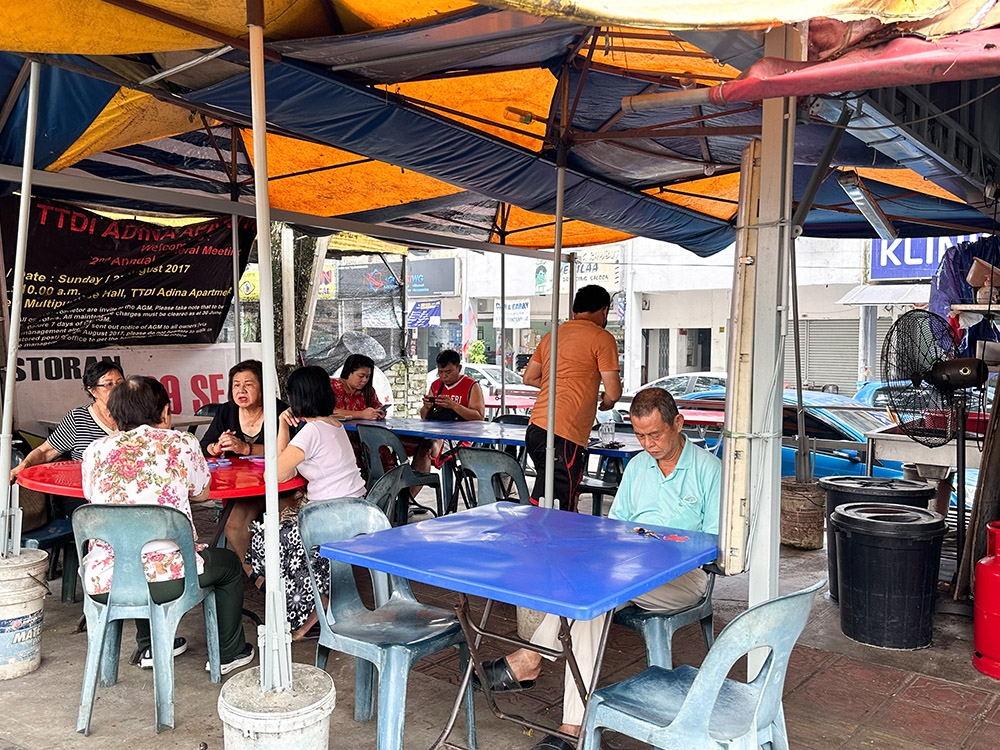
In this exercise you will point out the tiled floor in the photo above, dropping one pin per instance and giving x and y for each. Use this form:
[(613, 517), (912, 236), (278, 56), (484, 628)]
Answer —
[(831, 700), (838, 694)]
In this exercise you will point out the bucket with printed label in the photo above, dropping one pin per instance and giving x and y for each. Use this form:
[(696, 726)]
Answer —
[(22, 591)]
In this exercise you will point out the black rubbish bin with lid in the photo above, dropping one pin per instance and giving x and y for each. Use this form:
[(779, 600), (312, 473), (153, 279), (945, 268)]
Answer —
[(841, 490), (888, 558)]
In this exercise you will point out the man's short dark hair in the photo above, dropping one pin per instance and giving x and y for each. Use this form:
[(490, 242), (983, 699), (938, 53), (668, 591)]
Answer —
[(448, 357), (309, 392), (591, 298), (139, 399), (648, 400)]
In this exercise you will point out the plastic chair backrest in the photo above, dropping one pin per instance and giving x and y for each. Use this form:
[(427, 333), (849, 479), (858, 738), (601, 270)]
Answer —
[(335, 520), (518, 419), (127, 529), (372, 439), (775, 625), (490, 466), (208, 410), (384, 494)]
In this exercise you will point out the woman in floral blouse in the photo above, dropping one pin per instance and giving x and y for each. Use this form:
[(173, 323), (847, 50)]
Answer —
[(147, 463), (356, 397)]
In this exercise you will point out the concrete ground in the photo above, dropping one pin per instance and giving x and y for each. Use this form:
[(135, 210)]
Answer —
[(838, 693)]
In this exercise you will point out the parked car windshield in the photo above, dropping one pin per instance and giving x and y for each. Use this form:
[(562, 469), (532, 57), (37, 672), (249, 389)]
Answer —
[(509, 376), (861, 421)]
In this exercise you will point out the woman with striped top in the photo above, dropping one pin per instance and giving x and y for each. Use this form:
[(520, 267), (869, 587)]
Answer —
[(82, 426)]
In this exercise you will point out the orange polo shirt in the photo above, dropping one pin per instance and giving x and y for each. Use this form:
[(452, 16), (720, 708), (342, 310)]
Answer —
[(584, 350)]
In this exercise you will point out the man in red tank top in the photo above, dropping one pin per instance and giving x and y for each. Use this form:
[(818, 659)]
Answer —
[(453, 397)]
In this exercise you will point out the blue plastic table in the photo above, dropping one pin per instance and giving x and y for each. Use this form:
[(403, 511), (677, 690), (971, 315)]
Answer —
[(488, 432), (572, 565)]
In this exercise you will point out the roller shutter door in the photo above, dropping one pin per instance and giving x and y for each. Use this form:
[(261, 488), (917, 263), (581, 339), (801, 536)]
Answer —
[(829, 354)]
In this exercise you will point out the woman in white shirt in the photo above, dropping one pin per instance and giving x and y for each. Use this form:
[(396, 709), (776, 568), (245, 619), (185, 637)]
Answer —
[(322, 454)]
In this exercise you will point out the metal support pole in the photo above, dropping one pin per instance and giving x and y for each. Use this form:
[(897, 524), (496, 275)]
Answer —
[(288, 294), (550, 433), (319, 260), (234, 195), (276, 642), (10, 518), (774, 235), (803, 466), (503, 334), (237, 312)]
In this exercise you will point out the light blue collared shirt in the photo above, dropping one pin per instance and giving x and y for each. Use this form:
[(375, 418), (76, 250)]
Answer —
[(689, 498)]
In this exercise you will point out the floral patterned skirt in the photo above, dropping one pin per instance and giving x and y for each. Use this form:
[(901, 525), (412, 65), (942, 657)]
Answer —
[(299, 598)]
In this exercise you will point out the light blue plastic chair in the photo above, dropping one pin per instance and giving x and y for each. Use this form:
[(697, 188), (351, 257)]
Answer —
[(385, 493), (127, 528), (498, 473), (386, 641), (658, 628), (373, 438), (700, 709)]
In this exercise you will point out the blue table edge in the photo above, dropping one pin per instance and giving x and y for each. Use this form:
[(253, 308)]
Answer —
[(606, 604)]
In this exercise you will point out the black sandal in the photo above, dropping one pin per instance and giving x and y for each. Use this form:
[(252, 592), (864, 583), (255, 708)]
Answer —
[(500, 678), (551, 742)]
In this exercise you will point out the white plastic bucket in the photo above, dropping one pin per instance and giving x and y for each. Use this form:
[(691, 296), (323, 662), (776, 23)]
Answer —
[(22, 590), (298, 719), (527, 621)]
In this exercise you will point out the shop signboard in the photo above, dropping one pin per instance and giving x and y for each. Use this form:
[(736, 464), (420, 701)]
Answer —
[(912, 258), (598, 266), (250, 282), (426, 277), (424, 314), (518, 313)]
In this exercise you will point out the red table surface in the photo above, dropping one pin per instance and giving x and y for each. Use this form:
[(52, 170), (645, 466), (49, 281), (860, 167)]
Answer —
[(703, 417), (240, 478)]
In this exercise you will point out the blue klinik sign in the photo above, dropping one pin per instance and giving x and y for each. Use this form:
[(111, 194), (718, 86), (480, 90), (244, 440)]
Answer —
[(911, 258)]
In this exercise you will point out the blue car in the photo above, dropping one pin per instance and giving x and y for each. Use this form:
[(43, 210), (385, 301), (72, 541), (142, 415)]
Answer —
[(828, 417), (875, 393)]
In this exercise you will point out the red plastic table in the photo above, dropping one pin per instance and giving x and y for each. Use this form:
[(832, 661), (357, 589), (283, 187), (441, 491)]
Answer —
[(231, 480), (703, 417)]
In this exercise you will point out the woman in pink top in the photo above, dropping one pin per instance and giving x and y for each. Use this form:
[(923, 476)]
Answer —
[(321, 453)]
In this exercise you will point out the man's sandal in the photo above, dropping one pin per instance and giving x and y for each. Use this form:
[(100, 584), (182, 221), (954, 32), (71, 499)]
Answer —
[(551, 742), (500, 678)]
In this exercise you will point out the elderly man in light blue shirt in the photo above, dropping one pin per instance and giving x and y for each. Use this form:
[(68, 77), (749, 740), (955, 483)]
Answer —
[(672, 483)]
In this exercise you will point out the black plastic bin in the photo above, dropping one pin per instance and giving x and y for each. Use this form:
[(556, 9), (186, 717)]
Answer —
[(842, 490), (888, 557)]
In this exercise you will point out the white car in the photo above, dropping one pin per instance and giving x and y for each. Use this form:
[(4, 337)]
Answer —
[(676, 385), (488, 377)]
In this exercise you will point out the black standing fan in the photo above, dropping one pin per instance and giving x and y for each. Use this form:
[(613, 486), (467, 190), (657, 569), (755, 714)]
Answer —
[(927, 386)]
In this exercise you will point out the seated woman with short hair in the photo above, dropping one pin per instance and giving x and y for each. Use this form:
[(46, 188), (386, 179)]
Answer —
[(147, 463), (322, 454)]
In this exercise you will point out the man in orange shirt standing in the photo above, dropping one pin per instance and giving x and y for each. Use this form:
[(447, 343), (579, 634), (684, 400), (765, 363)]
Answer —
[(586, 355)]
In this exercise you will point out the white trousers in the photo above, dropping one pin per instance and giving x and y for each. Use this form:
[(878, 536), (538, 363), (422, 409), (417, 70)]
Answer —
[(679, 593)]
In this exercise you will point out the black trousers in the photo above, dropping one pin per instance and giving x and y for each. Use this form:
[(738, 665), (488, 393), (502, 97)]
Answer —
[(224, 573), (568, 465)]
